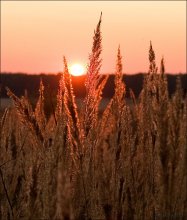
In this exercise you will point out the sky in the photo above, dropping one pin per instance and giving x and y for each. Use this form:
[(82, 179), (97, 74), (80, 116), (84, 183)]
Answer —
[(35, 35)]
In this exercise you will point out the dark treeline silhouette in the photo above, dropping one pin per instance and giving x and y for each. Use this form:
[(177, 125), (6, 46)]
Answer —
[(18, 83)]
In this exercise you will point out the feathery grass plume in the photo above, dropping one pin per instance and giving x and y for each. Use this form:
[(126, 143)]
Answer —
[(25, 100), (39, 110), (26, 117), (69, 97), (3, 120), (113, 136), (162, 67), (152, 66), (151, 131), (151, 80), (75, 145), (94, 86), (71, 109), (176, 140), (107, 118), (60, 93), (163, 85), (116, 104), (59, 116), (94, 82), (119, 96), (119, 111), (75, 137), (160, 136), (147, 133), (150, 90)]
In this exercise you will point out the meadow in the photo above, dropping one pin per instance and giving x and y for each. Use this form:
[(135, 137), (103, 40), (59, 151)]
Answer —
[(127, 162)]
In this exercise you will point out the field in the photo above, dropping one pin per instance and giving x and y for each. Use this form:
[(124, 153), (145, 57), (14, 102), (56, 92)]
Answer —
[(128, 161)]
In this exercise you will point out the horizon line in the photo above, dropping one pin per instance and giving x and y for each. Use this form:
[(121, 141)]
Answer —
[(112, 73)]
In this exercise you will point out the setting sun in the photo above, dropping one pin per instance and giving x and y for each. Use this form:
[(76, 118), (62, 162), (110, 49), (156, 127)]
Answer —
[(77, 70)]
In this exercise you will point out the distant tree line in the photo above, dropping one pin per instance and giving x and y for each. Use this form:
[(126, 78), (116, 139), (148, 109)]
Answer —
[(19, 83)]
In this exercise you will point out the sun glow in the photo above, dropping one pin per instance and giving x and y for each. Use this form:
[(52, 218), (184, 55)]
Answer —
[(77, 70)]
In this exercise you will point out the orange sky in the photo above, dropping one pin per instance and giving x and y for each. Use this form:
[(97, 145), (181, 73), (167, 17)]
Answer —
[(36, 34)]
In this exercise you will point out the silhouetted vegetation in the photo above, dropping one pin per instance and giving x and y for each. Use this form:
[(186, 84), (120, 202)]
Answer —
[(20, 82)]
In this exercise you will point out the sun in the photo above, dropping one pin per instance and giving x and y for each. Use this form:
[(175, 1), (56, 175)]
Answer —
[(77, 70)]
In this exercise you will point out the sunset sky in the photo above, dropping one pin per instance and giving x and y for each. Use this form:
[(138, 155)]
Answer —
[(35, 35)]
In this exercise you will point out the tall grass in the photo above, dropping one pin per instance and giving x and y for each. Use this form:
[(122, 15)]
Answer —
[(128, 162)]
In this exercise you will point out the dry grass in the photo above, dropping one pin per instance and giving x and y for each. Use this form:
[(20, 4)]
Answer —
[(128, 163)]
